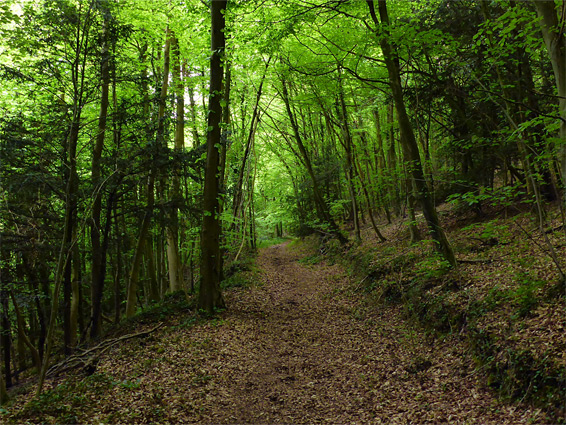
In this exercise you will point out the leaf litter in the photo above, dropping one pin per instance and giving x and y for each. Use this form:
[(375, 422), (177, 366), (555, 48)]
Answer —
[(299, 347)]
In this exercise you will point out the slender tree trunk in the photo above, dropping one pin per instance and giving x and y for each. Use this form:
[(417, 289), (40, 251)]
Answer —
[(113, 207), (5, 332), (554, 34), (368, 202), (226, 135), (43, 309), (408, 141), (70, 229), (191, 261), (63, 260), (131, 297), (118, 269), (40, 300), (3, 392), (161, 176), (210, 296), (320, 203), (172, 228), (348, 145), (413, 228), (153, 283), (392, 171), (381, 166), (76, 277), (255, 118), (98, 266), (22, 334), (193, 112)]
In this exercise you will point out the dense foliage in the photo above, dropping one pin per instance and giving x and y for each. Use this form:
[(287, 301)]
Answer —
[(333, 112)]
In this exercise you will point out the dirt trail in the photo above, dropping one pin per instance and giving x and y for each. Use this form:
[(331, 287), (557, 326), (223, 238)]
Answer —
[(298, 349)]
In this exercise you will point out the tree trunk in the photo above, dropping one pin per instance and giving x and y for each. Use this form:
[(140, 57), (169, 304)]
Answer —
[(172, 228), (392, 172), (225, 136), (193, 111), (554, 35), (76, 275), (320, 203), (3, 393), (255, 118), (381, 166), (22, 335), (210, 296), (413, 228), (131, 297), (118, 268), (5, 333), (350, 168), (368, 202), (408, 141), (153, 283), (98, 267)]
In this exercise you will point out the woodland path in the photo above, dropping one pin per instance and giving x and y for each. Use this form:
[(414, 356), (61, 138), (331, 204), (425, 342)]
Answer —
[(301, 348)]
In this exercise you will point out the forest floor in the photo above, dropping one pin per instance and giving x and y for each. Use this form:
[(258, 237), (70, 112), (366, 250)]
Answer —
[(299, 346)]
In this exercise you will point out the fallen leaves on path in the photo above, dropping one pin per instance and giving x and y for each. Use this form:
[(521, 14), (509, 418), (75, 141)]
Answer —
[(298, 348)]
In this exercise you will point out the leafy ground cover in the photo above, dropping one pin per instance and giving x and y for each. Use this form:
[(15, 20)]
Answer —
[(301, 345), (506, 300)]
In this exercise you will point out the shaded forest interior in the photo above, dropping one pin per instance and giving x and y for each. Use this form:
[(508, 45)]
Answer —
[(149, 149)]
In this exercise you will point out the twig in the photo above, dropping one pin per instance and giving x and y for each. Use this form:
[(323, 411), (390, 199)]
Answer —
[(91, 355), (479, 261)]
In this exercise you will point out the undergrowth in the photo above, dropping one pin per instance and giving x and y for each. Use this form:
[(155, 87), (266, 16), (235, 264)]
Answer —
[(59, 404), (240, 273)]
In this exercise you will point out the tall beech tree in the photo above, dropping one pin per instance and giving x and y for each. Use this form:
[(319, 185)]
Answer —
[(210, 296), (98, 268), (172, 228), (156, 149), (408, 141), (552, 17)]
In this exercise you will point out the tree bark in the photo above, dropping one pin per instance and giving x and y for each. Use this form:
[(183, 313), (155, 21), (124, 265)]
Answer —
[(5, 333), (210, 296), (118, 267), (76, 277), (98, 267), (70, 229), (153, 290), (369, 206), (3, 393), (172, 228), (225, 136), (392, 175), (131, 296), (348, 151), (554, 35)]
